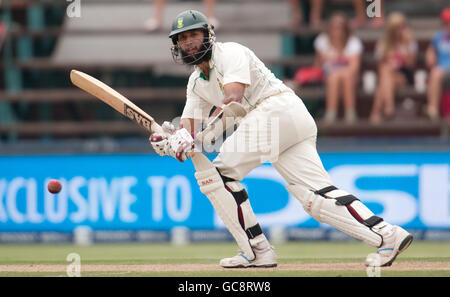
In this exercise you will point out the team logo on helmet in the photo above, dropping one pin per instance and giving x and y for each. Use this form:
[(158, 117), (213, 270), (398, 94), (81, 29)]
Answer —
[(180, 23)]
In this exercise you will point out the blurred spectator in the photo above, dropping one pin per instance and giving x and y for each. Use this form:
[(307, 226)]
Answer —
[(360, 18), (396, 55), (315, 14), (312, 75), (154, 23), (438, 60), (2, 35), (338, 53)]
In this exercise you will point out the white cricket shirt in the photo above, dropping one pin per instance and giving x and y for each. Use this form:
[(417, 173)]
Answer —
[(230, 62)]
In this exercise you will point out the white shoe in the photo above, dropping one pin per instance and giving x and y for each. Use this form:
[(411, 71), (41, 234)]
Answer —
[(394, 242), (264, 258)]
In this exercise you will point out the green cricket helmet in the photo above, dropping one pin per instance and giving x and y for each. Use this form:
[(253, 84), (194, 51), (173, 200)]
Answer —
[(192, 20)]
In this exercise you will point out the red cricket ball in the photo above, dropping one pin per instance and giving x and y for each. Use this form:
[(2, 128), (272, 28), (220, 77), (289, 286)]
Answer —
[(54, 186)]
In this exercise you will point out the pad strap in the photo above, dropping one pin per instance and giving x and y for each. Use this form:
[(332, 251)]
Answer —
[(373, 221), (346, 201), (254, 231), (241, 197), (325, 190), (225, 178)]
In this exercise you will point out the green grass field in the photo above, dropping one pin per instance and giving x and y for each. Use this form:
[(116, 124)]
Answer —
[(201, 259)]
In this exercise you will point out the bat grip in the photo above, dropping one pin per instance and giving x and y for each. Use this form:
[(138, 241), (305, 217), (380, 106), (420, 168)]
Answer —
[(156, 128)]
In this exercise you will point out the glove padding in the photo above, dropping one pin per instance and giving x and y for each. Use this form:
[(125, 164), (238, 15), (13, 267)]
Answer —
[(177, 145), (160, 142), (180, 144)]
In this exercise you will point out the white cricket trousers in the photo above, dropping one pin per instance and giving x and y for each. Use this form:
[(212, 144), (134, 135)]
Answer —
[(279, 130)]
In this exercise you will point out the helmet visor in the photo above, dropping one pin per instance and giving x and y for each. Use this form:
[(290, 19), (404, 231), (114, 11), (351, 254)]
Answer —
[(192, 52)]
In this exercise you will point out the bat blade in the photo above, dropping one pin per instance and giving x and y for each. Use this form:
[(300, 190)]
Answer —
[(114, 99), (120, 103)]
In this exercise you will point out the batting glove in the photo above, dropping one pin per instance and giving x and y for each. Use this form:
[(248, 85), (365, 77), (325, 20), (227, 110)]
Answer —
[(168, 127), (180, 144), (160, 142)]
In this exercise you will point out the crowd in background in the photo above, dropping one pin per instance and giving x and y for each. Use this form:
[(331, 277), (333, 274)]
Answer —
[(154, 23), (338, 58)]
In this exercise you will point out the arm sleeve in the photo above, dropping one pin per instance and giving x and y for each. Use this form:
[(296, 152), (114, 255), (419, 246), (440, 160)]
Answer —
[(236, 66), (195, 107)]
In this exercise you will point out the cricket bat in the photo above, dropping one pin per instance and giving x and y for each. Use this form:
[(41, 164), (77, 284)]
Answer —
[(123, 105)]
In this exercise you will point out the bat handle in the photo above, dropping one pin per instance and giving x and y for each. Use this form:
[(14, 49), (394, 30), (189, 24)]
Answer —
[(155, 128), (200, 161)]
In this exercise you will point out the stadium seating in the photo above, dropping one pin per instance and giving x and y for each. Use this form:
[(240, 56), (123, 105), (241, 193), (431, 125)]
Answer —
[(110, 43)]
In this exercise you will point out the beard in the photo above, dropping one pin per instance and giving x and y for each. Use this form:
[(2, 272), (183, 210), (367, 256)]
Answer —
[(203, 54)]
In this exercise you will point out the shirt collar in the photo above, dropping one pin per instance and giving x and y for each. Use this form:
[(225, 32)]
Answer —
[(203, 76)]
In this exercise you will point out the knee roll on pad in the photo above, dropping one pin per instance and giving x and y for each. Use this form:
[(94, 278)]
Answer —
[(341, 210)]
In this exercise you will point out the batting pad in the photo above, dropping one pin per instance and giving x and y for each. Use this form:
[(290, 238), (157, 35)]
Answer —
[(325, 210), (212, 186)]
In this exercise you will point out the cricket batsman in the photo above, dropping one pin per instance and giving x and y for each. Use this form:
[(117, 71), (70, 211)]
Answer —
[(230, 72)]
